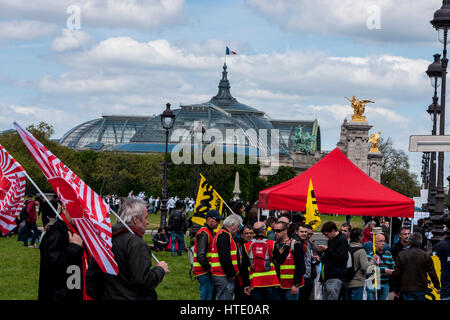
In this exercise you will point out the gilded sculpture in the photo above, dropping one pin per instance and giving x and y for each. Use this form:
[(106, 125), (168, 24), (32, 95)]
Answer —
[(359, 107), (374, 140)]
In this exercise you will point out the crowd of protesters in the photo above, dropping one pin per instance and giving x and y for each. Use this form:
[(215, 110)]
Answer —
[(241, 255), (278, 259)]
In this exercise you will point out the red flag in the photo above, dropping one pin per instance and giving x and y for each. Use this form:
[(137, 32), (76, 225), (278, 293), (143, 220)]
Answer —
[(12, 190), (89, 212)]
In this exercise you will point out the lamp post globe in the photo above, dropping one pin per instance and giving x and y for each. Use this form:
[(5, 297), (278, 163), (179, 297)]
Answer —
[(167, 122), (441, 21)]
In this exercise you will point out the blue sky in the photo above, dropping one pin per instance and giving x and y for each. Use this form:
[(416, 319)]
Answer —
[(297, 59)]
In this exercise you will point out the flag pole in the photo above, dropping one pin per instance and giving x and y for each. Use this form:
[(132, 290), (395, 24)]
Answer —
[(129, 229), (43, 195)]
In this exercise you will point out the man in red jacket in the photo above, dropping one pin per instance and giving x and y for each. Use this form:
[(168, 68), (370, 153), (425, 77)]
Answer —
[(30, 223)]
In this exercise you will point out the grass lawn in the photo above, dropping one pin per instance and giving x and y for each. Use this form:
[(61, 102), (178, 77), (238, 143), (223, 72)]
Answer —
[(19, 267)]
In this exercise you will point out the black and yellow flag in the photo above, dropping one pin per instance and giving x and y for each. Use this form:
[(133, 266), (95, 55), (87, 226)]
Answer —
[(312, 216), (207, 199)]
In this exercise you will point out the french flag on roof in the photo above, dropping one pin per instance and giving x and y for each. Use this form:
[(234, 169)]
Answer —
[(228, 51)]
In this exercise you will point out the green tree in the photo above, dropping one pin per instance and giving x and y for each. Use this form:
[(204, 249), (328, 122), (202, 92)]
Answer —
[(284, 174), (395, 172)]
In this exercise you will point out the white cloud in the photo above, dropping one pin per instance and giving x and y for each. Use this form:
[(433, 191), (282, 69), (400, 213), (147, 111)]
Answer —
[(26, 115), (25, 30), (71, 40), (148, 14), (399, 20)]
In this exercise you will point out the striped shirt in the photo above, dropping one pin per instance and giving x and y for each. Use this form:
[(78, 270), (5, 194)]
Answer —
[(386, 262)]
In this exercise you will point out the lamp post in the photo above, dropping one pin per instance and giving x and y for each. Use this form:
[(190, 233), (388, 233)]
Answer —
[(167, 122), (441, 22), (434, 71)]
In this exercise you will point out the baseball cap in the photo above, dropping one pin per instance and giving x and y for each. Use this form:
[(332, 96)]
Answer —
[(214, 214)]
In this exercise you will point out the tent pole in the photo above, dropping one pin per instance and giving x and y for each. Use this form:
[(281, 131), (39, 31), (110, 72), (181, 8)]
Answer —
[(390, 233)]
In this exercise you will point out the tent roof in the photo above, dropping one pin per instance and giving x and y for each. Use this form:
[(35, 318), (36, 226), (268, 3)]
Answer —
[(340, 188)]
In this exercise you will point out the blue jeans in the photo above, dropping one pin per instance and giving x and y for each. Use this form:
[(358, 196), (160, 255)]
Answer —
[(285, 294), (446, 298), (354, 293), (224, 287), (413, 295), (206, 286), (32, 231), (266, 293), (331, 289), (177, 236), (381, 293)]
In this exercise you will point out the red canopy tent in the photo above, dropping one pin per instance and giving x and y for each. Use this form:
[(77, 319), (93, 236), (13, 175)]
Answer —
[(340, 188)]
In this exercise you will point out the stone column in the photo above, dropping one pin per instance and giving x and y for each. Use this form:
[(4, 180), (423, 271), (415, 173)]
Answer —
[(357, 139), (236, 190), (374, 165)]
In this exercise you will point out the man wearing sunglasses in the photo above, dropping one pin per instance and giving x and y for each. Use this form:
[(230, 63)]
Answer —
[(289, 262)]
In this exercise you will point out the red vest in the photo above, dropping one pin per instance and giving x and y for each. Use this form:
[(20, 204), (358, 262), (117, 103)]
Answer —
[(198, 269), (266, 278), (287, 270), (216, 267)]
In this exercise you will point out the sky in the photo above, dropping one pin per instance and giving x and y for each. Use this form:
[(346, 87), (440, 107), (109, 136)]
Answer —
[(66, 62)]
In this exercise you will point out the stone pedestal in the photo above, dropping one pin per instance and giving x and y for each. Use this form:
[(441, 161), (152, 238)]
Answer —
[(354, 142), (374, 165)]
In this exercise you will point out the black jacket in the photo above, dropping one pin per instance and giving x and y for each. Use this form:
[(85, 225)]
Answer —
[(397, 248), (299, 260), (335, 258), (442, 249), (202, 248), (57, 255), (411, 269), (135, 281)]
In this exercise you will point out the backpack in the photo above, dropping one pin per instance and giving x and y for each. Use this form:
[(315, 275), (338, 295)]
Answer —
[(259, 255), (350, 271), (23, 212), (176, 221)]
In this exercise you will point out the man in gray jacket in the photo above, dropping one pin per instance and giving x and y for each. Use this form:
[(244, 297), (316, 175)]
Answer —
[(354, 288), (135, 281)]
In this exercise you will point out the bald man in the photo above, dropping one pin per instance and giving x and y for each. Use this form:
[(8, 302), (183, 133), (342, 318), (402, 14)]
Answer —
[(382, 259), (264, 283)]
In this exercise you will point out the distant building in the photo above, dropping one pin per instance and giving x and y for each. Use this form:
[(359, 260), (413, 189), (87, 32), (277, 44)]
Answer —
[(223, 111)]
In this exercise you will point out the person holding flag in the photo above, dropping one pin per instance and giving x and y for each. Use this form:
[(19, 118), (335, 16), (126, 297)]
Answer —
[(136, 280), (62, 253), (88, 211)]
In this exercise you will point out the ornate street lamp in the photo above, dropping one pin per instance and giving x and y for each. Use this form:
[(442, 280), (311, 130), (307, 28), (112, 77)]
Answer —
[(167, 122), (434, 71), (441, 22)]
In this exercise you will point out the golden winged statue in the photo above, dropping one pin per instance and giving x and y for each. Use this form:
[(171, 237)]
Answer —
[(374, 140), (359, 107)]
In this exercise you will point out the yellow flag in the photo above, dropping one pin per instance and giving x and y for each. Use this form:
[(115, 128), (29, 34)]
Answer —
[(312, 216), (207, 199), (431, 293)]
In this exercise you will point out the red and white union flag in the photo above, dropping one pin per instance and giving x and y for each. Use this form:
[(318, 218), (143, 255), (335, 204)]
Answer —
[(89, 212), (12, 190)]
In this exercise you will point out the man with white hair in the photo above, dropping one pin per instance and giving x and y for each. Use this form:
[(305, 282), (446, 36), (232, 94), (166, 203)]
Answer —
[(224, 259), (135, 281)]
